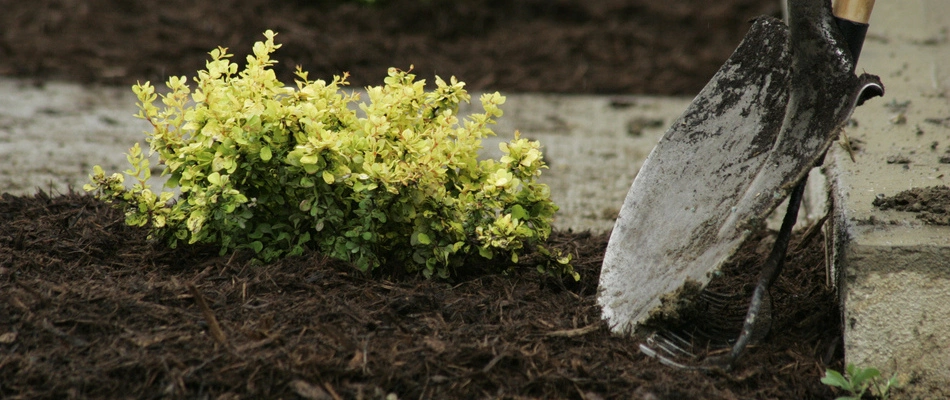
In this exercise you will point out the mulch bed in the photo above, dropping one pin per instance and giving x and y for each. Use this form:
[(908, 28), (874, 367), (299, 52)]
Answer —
[(91, 308), (94, 309)]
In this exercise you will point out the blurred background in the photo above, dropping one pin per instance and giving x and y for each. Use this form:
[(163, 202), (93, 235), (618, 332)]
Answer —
[(556, 46)]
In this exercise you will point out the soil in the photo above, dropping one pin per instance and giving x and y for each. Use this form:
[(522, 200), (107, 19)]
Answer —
[(92, 308), (931, 205)]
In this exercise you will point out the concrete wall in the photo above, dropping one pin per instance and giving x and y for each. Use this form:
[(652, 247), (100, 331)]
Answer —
[(894, 270)]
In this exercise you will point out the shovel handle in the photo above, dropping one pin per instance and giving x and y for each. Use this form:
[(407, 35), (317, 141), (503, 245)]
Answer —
[(858, 11), (852, 17)]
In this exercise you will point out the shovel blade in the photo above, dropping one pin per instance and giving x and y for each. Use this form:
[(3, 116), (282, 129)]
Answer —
[(671, 226), (763, 121)]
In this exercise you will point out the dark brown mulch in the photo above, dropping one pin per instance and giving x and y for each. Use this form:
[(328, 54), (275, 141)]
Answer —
[(604, 46), (93, 309), (89, 308)]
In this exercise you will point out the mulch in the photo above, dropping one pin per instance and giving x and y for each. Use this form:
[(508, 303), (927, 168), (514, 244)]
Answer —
[(567, 46), (92, 308)]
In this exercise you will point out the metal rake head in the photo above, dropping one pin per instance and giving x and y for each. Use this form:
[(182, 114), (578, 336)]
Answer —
[(700, 341)]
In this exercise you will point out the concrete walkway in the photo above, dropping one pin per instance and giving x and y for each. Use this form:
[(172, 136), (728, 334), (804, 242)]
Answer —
[(895, 270)]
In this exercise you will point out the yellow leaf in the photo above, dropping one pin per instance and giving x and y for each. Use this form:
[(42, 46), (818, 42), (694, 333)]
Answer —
[(214, 178)]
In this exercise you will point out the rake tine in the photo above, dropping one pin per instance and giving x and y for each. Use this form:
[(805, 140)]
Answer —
[(663, 360), (673, 344)]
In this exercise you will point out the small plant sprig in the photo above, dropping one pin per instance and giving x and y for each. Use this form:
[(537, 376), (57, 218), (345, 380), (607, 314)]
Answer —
[(858, 381), (277, 169)]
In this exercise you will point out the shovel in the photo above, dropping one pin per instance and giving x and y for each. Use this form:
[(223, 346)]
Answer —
[(745, 143)]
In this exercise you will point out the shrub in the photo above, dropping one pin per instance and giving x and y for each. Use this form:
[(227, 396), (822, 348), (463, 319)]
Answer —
[(277, 169)]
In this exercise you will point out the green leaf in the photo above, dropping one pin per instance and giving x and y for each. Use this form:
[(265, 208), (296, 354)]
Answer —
[(834, 378), (266, 153), (518, 212), (328, 177), (862, 376), (423, 238)]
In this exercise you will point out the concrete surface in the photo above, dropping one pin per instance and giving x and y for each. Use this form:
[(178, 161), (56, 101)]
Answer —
[(51, 134), (895, 271), (594, 147)]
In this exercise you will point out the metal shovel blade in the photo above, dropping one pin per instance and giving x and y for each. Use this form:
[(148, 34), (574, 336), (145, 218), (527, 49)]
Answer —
[(756, 129)]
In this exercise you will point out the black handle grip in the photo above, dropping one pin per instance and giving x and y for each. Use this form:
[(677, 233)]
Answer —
[(854, 33)]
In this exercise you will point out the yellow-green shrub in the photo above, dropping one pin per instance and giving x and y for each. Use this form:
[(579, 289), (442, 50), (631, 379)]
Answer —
[(275, 169)]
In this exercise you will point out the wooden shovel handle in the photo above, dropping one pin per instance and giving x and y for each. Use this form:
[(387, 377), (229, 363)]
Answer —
[(853, 10)]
